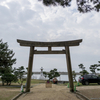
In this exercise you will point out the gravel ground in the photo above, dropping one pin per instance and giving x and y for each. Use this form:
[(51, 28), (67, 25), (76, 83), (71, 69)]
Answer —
[(40, 92), (92, 92)]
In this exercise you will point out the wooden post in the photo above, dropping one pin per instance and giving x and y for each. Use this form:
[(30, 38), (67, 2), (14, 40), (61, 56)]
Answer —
[(30, 64), (49, 48), (69, 68)]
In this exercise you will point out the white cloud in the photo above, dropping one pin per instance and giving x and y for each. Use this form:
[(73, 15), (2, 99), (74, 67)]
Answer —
[(31, 20)]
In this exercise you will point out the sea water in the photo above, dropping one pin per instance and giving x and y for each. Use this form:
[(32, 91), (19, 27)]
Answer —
[(61, 78)]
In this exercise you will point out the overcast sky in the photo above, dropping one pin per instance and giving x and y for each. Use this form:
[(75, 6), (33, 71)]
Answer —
[(31, 20)]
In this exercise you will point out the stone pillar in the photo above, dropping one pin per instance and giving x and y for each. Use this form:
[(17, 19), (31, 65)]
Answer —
[(69, 69), (30, 64)]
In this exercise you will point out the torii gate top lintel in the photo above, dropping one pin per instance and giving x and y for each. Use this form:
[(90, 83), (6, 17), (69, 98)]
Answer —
[(49, 44)]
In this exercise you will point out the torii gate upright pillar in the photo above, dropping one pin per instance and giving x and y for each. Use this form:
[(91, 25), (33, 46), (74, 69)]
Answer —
[(69, 68), (30, 64)]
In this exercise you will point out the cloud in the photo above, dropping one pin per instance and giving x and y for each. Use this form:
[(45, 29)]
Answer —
[(31, 20)]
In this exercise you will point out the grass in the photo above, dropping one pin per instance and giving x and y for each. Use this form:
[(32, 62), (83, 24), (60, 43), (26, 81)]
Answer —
[(80, 84), (8, 93), (35, 81)]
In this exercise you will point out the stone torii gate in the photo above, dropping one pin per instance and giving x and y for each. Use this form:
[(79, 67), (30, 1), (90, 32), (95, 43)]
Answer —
[(33, 44)]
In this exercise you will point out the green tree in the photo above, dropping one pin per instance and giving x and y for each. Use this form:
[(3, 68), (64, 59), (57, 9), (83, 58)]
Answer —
[(6, 58), (83, 72), (45, 74), (6, 62), (82, 5), (53, 73), (93, 68), (81, 66), (98, 65), (74, 75), (8, 78), (19, 72)]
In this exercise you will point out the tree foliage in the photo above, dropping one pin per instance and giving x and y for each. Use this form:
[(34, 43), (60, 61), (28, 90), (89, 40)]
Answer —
[(74, 75), (93, 68), (98, 65), (8, 78), (81, 66), (6, 62), (83, 72), (6, 58), (45, 74), (19, 72), (82, 5), (53, 73)]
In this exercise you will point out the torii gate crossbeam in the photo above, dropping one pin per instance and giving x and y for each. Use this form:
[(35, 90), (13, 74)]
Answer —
[(33, 44)]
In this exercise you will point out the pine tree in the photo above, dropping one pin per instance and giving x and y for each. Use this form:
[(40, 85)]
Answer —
[(93, 68), (53, 73), (83, 6), (83, 72), (19, 73), (6, 58)]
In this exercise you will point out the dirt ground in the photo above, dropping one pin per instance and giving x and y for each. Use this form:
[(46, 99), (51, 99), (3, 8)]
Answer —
[(92, 92), (40, 92), (8, 93)]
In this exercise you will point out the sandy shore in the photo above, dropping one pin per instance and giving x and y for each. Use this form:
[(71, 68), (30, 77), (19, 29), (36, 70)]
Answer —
[(40, 92)]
